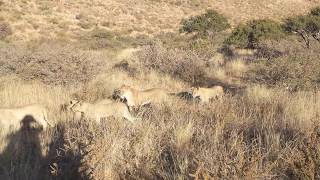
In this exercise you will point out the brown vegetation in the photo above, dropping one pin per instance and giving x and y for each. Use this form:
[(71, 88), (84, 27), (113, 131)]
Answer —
[(5, 30), (52, 64), (186, 65)]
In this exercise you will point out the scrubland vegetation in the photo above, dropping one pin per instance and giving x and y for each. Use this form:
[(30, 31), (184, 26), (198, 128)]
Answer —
[(265, 127)]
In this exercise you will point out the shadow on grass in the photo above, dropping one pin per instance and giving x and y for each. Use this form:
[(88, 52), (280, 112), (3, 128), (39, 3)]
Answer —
[(22, 158), (23, 153)]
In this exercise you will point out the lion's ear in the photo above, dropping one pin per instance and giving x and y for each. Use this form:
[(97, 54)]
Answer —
[(191, 90), (74, 101)]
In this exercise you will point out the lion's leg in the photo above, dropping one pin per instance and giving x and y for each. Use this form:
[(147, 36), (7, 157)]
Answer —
[(205, 99), (128, 116), (146, 103)]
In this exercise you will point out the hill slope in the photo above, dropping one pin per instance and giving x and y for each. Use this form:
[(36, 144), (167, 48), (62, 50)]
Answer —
[(53, 18)]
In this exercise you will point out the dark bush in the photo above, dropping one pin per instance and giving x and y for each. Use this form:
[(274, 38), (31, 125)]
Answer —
[(309, 23), (295, 23), (182, 64), (5, 30), (250, 34), (313, 25), (305, 26), (211, 21), (100, 38), (125, 66), (315, 11), (268, 52), (101, 33), (240, 36), (298, 71)]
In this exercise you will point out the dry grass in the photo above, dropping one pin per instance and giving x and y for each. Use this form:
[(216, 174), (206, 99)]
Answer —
[(172, 143), (49, 62), (263, 133), (266, 133)]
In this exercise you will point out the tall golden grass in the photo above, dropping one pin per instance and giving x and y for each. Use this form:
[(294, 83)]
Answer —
[(266, 133)]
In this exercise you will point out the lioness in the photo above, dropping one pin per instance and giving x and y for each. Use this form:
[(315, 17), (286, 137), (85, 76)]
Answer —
[(136, 97), (12, 117), (206, 94), (104, 101), (66, 108), (100, 111)]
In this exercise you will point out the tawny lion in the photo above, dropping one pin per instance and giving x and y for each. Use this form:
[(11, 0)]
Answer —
[(98, 112), (206, 94), (136, 97), (104, 101)]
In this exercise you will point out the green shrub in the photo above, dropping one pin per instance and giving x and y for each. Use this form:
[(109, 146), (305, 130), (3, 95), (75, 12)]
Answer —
[(309, 23), (295, 23), (240, 36), (313, 24), (305, 25), (248, 35), (211, 21)]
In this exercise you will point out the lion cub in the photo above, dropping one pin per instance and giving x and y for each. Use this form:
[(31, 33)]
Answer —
[(101, 111), (206, 94)]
